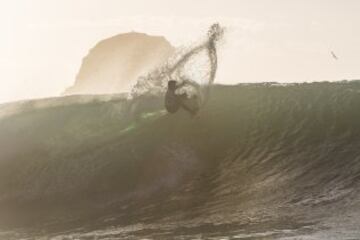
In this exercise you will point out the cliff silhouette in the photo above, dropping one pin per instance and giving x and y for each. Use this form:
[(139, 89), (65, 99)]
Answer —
[(115, 63)]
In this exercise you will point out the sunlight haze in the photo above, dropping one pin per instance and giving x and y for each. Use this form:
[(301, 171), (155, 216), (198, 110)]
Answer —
[(44, 41)]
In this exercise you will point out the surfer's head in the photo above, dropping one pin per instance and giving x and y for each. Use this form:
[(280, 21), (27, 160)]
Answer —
[(172, 85)]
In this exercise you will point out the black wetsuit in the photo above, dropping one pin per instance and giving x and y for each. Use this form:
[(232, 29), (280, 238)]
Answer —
[(174, 101)]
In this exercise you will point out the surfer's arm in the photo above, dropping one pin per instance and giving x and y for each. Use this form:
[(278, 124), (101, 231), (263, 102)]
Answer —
[(181, 84)]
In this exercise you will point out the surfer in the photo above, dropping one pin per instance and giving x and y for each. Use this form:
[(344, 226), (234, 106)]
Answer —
[(174, 101)]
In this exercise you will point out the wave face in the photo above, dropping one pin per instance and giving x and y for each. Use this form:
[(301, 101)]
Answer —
[(260, 161)]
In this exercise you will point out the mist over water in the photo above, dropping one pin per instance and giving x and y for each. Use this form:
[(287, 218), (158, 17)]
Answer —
[(260, 161)]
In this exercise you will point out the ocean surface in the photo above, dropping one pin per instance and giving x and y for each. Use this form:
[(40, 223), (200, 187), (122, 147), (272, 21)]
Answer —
[(259, 161)]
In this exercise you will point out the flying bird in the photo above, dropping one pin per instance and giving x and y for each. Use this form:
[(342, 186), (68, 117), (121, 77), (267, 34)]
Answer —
[(334, 55)]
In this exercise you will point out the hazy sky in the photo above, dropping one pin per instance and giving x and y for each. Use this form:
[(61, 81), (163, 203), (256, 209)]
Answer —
[(43, 41)]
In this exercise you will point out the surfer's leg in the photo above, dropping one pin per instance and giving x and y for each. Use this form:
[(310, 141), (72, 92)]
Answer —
[(191, 111), (189, 106)]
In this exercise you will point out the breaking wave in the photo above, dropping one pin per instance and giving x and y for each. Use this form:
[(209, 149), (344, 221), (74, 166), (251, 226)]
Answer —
[(259, 161)]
